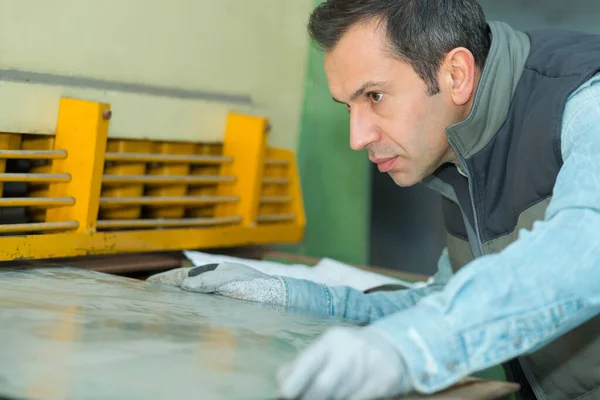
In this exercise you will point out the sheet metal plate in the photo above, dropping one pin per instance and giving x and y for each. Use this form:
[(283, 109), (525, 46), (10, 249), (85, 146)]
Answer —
[(67, 333)]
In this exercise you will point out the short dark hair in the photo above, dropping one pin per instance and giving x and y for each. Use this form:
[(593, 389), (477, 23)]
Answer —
[(421, 32)]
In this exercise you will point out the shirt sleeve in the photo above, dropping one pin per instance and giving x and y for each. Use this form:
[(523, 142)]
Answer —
[(540, 287), (354, 305)]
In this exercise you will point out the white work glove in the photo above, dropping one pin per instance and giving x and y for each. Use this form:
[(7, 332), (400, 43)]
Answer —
[(346, 363), (228, 279)]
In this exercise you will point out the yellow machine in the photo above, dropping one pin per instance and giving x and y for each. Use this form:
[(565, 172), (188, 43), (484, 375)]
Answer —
[(88, 194)]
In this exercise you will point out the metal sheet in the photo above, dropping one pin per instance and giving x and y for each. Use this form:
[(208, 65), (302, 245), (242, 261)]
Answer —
[(67, 333)]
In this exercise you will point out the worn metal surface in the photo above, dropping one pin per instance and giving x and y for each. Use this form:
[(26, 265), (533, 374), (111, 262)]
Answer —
[(73, 334)]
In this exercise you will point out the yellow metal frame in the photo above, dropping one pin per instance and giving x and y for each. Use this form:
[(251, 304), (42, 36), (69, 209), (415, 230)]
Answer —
[(88, 197)]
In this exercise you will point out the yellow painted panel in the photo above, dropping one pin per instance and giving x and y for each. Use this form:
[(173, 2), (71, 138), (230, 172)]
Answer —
[(170, 169), (245, 142), (77, 178), (81, 130), (79, 243), (36, 142), (127, 168), (294, 189), (205, 190), (7, 142)]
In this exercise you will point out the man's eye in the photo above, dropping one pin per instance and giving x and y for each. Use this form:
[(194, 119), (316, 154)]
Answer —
[(375, 97)]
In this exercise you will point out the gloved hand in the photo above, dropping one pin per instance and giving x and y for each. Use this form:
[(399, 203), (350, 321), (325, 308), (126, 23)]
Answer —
[(227, 279), (346, 363)]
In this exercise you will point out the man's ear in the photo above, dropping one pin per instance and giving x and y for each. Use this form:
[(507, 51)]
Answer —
[(458, 69)]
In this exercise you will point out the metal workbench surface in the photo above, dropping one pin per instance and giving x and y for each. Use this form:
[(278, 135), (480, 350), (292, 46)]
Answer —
[(67, 333)]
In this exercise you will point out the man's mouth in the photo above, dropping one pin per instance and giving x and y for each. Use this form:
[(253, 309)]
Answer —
[(384, 164)]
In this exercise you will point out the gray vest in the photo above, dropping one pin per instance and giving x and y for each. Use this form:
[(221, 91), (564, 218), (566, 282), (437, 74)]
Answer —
[(509, 160)]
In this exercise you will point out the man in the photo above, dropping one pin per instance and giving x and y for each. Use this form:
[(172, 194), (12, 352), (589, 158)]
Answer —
[(505, 125)]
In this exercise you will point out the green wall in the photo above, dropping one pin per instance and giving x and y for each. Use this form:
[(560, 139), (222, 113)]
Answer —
[(335, 179)]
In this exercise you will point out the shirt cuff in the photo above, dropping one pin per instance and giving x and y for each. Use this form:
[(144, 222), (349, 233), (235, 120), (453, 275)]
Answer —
[(308, 296), (433, 354)]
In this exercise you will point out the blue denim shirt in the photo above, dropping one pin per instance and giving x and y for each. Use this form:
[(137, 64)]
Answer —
[(503, 305)]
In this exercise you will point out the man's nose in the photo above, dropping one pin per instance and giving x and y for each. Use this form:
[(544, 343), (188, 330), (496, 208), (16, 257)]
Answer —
[(362, 130)]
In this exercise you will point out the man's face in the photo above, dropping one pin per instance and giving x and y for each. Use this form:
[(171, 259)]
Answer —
[(391, 114)]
